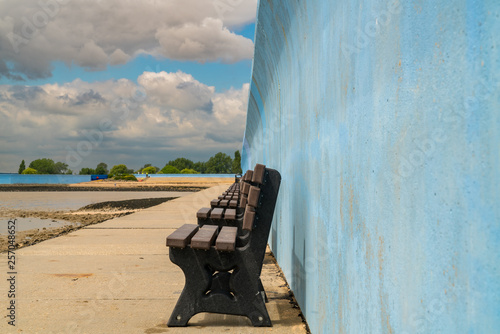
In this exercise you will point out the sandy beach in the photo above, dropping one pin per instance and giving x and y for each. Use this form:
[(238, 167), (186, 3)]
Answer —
[(197, 182)]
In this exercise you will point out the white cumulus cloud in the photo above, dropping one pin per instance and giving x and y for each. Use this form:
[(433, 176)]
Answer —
[(96, 33), (162, 117), (205, 41)]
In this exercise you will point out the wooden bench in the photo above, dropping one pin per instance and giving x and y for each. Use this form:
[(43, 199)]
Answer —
[(222, 255), (229, 198), (223, 210)]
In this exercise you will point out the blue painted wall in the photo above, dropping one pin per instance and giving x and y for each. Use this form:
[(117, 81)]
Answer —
[(384, 120), (42, 179)]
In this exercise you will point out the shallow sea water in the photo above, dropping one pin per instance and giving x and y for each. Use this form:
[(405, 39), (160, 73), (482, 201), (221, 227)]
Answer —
[(65, 201), (73, 200)]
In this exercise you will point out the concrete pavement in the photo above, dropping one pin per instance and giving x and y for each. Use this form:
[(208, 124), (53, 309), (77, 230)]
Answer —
[(116, 277)]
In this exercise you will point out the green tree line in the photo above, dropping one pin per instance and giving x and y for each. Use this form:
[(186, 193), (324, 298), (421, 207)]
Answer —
[(44, 166), (220, 163)]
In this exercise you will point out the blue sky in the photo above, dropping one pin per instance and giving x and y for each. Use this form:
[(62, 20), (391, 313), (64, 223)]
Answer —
[(87, 81)]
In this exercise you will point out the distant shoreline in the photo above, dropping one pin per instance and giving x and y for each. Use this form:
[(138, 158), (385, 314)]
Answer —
[(58, 187), (146, 184)]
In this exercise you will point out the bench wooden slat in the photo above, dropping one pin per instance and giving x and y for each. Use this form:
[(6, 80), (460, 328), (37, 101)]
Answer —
[(226, 241), (224, 203), (205, 237), (233, 203), (230, 214), (243, 202), (217, 213), (203, 213), (181, 237), (248, 218), (253, 196), (248, 175), (246, 188), (258, 174), (214, 202)]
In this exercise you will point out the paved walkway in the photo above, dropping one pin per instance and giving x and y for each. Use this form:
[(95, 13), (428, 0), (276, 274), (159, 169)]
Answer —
[(116, 277)]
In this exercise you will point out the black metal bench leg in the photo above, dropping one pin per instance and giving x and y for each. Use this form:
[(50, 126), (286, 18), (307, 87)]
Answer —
[(248, 288), (261, 287), (183, 311), (198, 279), (259, 316)]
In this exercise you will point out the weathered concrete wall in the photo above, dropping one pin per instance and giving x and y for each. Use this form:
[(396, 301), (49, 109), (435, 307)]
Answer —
[(384, 120)]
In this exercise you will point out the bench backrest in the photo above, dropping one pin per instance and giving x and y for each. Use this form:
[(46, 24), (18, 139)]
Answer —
[(253, 218), (263, 193)]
